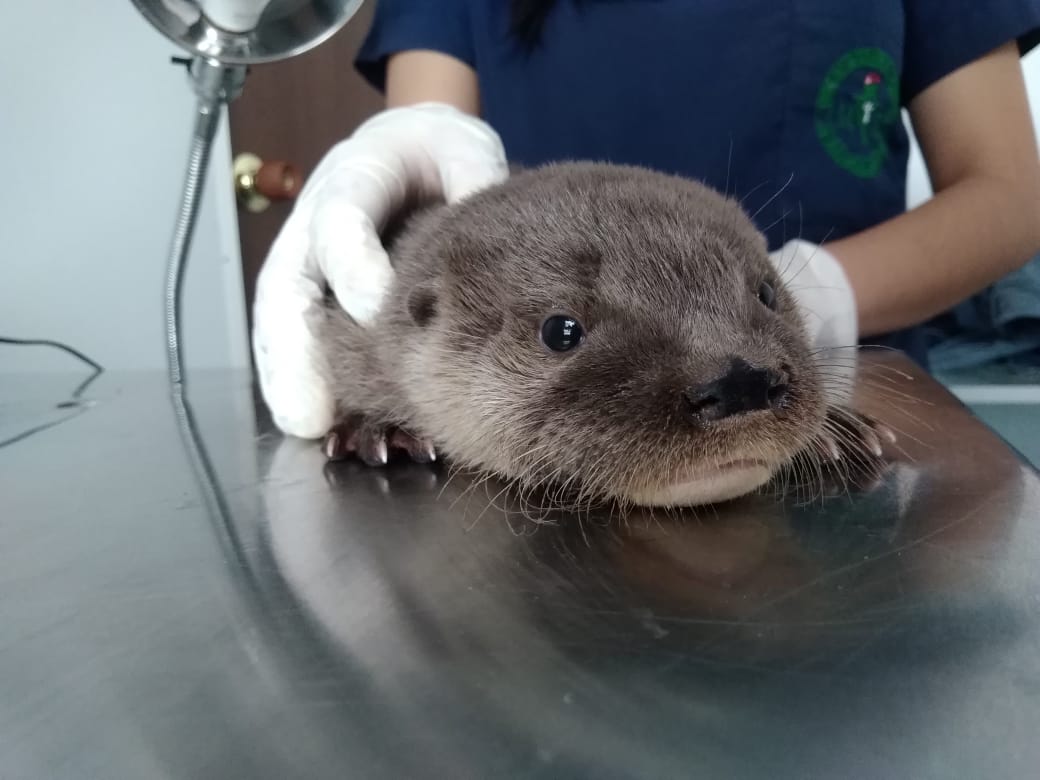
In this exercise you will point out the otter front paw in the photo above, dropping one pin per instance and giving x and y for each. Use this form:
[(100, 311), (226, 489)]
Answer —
[(851, 444), (846, 454), (373, 442)]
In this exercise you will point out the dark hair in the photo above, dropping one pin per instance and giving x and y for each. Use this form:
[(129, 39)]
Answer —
[(526, 20)]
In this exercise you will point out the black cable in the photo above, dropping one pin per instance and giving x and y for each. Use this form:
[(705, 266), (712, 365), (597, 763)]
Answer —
[(74, 402)]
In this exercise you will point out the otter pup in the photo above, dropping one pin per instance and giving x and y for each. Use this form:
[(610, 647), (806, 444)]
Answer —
[(618, 331)]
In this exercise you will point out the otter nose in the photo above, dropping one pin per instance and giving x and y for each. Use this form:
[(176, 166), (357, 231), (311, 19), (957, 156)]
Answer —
[(743, 388)]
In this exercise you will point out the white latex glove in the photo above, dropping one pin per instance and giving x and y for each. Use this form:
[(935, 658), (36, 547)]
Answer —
[(824, 294), (332, 235)]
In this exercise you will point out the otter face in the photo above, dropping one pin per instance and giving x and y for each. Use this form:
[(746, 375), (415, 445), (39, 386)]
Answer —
[(615, 330)]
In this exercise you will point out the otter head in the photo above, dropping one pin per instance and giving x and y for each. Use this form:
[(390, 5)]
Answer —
[(614, 330)]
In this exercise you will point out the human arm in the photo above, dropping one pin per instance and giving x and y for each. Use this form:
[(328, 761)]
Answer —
[(978, 142), (421, 75)]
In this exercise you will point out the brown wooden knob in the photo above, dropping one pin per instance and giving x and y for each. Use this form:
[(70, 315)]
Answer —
[(278, 180), (258, 183)]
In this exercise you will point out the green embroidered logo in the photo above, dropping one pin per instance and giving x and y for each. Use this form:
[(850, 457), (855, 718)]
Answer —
[(857, 105)]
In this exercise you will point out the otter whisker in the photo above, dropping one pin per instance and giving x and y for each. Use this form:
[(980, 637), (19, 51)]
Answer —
[(481, 482), (882, 392), (777, 221), (478, 480), (729, 165), (786, 265), (776, 195), (814, 475), (752, 191)]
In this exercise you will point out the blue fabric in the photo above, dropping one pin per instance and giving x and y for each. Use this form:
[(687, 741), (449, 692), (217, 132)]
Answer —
[(792, 106), (1000, 326)]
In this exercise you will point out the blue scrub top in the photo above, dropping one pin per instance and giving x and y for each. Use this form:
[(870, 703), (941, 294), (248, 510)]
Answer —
[(794, 106)]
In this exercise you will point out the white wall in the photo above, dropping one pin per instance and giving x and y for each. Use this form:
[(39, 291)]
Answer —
[(94, 128)]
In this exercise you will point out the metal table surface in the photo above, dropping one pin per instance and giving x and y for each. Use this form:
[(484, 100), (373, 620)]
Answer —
[(341, 622)]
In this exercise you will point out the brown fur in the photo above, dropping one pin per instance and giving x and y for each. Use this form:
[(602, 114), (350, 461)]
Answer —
[(662, 272)]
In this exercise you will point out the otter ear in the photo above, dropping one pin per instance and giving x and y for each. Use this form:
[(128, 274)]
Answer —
[(422, 304)]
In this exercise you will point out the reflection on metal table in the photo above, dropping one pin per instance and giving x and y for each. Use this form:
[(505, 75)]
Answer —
[(343, 622)]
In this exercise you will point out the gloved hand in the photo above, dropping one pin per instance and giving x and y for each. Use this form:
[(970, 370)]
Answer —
[(824, 294), (332, 235)]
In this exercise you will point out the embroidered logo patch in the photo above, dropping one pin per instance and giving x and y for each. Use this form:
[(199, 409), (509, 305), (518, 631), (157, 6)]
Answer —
[(856, 107)]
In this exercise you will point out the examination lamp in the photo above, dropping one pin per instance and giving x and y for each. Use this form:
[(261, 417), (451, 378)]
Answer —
[(223, 38)]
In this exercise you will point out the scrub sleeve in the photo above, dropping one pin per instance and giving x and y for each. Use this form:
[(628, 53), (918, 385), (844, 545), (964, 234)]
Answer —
[(400, 25), (944, 35)]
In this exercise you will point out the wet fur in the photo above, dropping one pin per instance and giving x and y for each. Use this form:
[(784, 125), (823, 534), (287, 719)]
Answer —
[(662, 272)]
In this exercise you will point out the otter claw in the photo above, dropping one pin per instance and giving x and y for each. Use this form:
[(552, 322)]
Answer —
[(331, 445), (851, 449), (831, 449), (860, 432), (870, 438), (374, 452), (372, 443), (419, 450)]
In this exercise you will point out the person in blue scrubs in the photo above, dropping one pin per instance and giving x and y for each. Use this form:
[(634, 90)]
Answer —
[(792, 106), (755, 98)]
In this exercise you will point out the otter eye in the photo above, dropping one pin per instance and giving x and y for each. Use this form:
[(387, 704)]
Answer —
[(767, 295), (561, 333)]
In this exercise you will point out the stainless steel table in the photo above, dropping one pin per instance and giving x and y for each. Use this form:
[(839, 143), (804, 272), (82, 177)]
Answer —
[(337, 622)]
